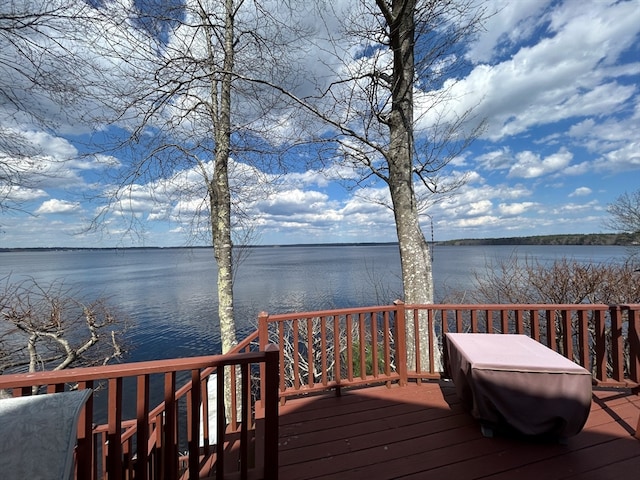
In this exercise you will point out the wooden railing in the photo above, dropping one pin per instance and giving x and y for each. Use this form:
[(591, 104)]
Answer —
[(122, 435), (164, 442), (337, 348)]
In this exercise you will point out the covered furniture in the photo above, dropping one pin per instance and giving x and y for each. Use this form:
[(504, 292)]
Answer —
[(38, 435), (516, 382)]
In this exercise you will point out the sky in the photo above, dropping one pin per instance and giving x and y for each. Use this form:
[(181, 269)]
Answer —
[(557, 83)]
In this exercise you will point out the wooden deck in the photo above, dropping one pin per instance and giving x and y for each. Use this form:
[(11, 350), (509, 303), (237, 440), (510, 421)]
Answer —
[(421, 431)]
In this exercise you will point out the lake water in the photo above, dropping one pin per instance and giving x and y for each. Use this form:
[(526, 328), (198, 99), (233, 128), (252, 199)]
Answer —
[(170, 294)]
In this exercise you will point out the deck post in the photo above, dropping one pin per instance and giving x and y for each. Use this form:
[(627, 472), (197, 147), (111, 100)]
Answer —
[(270, 402), (401, 341)]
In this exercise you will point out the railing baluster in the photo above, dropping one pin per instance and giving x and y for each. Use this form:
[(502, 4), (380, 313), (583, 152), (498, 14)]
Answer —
[(114, 451), (600, 347), (170, 453), (193, 408), (534, 319), (349, 348), (386, 342), (142, 428), (415, 313), (362, 344), (519, 326), (337, 352), (617, 344), (283, 378), (295, 353), (324, 351), (634, 347), (567, 334), (401, 342), (221, 423), (583, 340), (433, 342), (504, 321), (551, 330), (474, 321), (374, 344), (310, 354), (232, 415)]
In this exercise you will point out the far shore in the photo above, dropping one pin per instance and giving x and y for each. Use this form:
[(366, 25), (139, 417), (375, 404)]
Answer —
[(594, 239)]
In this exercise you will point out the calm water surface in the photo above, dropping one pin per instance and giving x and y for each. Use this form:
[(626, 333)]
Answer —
[(170, 294)]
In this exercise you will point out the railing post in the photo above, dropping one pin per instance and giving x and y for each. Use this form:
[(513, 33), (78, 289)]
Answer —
[(193, 406), (401, 341), (85, 459), (114, 449), (263, 340), (270, 402)]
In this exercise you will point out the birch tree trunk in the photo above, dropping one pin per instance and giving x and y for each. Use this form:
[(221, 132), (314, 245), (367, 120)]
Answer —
[(219, 192), (415, 259)]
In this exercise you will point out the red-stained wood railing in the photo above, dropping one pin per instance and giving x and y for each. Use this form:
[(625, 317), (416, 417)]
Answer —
[(333, 348), (163, 442), (338, 348), (315, 351), (595, 336)]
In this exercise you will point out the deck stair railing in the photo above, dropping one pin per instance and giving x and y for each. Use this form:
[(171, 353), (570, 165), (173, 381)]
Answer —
[(169, 441)]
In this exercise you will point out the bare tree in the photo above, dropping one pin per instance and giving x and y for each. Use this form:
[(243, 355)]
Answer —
[(195, 131), (50, 327), (41, 80), (625, 213), (402, 52)]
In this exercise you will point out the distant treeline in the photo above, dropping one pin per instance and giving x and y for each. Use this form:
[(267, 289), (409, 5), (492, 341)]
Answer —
[(623, 239)]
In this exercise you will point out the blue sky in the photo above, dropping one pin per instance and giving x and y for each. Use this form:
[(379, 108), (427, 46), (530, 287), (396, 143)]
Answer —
[(558, 84)]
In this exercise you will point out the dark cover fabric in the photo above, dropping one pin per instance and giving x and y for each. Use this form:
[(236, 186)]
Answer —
[(515, 381)]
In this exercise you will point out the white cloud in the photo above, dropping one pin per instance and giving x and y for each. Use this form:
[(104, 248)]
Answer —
[(530, 165), (557, 78), (512, 209), (509, 23), (57, 206), (581, 192), (296, 201)]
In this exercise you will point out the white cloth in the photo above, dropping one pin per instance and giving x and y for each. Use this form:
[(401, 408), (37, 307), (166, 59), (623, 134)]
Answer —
[(38, 435)]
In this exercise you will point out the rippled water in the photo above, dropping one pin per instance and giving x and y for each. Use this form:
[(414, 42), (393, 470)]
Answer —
[(170, 294)]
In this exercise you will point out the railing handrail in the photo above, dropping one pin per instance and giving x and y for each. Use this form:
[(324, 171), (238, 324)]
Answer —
[(124, 370), (509, 306), (279, 317)]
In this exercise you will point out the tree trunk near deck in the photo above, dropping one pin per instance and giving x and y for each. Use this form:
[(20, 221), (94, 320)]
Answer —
[(415, 259)]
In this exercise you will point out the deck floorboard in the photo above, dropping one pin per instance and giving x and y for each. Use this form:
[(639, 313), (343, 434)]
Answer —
[(421, 431)]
